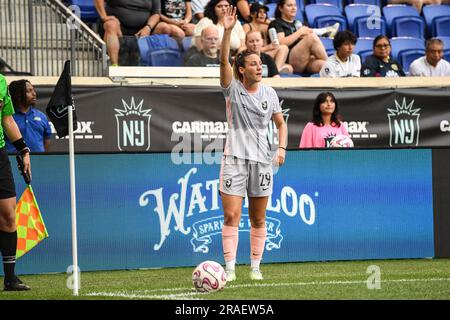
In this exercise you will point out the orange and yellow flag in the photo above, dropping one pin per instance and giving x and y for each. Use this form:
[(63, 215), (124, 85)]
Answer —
[(30, 226)]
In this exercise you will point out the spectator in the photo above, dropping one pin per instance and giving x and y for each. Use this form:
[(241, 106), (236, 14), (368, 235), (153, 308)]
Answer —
[(259, 22), (380, 63), (177, 14), (432, 64), (243, 9), (33, 124), (325, 125), (306, 51), (128, 17), (254, 42), (344, 63), (198, 9), (214, 13), (208, 56)]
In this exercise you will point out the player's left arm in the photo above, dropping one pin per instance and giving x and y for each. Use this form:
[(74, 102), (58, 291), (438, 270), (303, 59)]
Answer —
[(278, 119)]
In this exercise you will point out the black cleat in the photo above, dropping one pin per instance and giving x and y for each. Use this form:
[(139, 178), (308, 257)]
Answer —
[(15, 285)]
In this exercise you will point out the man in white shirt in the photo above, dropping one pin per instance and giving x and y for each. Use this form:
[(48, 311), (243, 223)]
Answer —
[(432, 64), (344, 63)]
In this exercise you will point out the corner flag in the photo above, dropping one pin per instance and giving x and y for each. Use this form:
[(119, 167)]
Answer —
[(30, 225), (61, 100)]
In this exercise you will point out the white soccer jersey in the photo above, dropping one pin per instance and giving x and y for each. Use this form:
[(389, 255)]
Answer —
[(421, 68), (336, 68), (248, 116)]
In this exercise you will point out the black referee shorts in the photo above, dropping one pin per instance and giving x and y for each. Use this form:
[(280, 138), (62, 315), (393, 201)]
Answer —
[(7, 186)]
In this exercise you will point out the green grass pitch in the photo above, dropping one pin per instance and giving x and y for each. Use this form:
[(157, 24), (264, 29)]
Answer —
[(427, 279)]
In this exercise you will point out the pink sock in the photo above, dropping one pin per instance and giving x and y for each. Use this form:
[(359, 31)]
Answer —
[(230, 238), (257, 243)]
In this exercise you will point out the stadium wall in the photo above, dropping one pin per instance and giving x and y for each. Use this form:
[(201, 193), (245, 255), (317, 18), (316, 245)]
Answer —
[(149, 210)]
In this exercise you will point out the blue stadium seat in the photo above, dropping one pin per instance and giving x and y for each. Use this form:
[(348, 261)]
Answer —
[(87, 10), (442, 26), (271, 12), (374, 2), (402, 45), (447, 55), (152, 48), (353, 11), (187, 41), (437, 16), (328, 44), (365, 20), (165, 58), (336, 3), (364, 48), (369, 27), (322, 15), (403, 21), (446, 41), (407, 57)]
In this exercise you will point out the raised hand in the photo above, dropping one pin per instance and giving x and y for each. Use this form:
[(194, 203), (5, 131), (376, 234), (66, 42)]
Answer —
[(230, 18)]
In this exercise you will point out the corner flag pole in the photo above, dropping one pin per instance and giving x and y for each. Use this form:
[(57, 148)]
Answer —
[(73, 202)]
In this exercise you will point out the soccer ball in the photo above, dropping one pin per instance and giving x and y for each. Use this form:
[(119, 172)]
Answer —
[(209, 276), (341, 141)]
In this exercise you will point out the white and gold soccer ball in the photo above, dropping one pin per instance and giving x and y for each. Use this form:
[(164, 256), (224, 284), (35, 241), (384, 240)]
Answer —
[(341, 141), (209, 276)]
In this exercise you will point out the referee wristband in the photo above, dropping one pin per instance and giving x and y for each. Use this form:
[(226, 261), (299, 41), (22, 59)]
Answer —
[(20, 146)]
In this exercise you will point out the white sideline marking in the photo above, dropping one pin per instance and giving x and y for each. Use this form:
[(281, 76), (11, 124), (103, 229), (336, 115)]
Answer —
[(143, 294)]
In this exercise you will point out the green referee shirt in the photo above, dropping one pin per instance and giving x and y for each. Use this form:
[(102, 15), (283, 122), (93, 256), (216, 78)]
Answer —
[(6, 107)]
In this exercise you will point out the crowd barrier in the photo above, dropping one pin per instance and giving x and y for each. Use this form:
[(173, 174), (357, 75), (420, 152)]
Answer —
[(145, 211)]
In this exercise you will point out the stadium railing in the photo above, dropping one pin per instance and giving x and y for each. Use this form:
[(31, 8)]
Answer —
[(37, 36)]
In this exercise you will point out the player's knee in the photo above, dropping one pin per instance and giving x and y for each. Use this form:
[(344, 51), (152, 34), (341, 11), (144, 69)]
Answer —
[(231, 218)]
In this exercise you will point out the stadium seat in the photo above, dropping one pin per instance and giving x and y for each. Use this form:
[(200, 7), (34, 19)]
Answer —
[(442, 26), (328, 44), (271, 12), (353, 11), (437, 16), (365, 20), (446, 41), (364, 47), (322, 15), (165, 58), (408, 57), (374, 2), (402, 45), (187, 41), (403, 21), (336, 3), (370, 27), (447, 55), (87, 10), (152, 48)]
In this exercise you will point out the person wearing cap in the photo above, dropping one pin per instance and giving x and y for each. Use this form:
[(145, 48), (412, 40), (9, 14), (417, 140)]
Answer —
[(8, 227), (260, 22)]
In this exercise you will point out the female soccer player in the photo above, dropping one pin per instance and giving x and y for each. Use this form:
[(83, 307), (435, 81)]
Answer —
[(247, 162)]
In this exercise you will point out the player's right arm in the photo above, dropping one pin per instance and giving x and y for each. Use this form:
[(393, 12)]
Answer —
[(226, 72)]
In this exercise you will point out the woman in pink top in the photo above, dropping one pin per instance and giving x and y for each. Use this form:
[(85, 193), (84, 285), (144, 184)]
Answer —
[(325, 125)]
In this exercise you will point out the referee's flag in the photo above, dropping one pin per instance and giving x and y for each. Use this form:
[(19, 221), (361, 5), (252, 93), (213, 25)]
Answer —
[(30, 225), (60, 102)]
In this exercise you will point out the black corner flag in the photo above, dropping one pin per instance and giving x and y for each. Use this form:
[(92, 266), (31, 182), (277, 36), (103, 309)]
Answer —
[(61, 100)]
